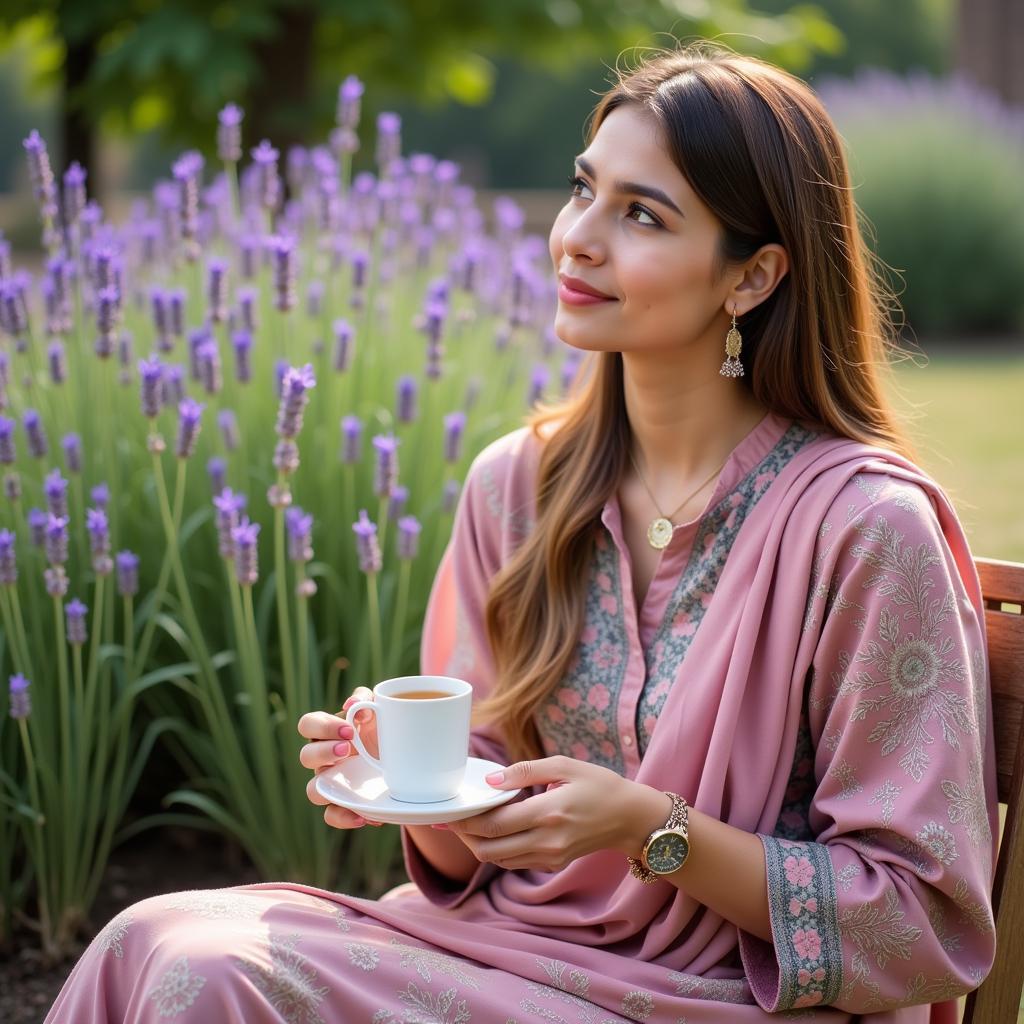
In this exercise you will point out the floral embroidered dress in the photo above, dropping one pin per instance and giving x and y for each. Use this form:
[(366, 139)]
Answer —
[(808, 664)]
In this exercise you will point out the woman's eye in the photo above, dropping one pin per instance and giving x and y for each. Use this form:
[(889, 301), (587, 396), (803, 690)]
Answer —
[(642, 211), (577, 185)]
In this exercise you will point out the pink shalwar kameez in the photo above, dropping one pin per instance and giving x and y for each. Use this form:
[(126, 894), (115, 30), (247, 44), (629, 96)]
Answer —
[(808, 665)]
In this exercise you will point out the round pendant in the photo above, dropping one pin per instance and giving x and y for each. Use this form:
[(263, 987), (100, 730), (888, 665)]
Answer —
[(659, 533)]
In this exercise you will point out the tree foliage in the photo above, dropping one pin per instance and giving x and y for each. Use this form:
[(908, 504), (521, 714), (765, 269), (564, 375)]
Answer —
[(149, 64)]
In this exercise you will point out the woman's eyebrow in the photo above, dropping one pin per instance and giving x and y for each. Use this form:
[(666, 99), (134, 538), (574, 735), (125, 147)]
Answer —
[(633, 187)]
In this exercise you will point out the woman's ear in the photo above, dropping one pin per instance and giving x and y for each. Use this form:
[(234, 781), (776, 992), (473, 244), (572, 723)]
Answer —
[(765, 269)]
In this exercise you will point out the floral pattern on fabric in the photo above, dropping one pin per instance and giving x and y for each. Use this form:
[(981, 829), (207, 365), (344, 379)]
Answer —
[(696, 586), (109, 939), (177, 990), (289, 983), (803, 907), (579, 719), (794, 819)]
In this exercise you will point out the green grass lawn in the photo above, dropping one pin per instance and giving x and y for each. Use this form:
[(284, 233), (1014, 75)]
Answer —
[(969, 438)]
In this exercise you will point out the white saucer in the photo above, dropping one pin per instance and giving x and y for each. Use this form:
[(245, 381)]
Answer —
[(357, 785)]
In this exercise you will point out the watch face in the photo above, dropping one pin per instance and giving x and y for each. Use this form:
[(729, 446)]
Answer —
[(667, 853)]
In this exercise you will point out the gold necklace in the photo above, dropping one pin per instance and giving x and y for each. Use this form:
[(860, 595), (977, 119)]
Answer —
[(660, 529)]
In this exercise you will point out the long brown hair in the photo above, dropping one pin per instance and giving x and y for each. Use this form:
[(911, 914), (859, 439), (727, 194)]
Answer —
[(758, 147)]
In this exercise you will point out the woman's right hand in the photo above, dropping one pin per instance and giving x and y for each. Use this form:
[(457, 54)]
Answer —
[(330, 737)]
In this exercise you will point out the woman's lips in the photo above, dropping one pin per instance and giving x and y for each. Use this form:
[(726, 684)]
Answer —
[(574, 297)]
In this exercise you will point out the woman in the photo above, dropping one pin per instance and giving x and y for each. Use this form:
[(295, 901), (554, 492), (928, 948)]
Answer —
[(726, 636)]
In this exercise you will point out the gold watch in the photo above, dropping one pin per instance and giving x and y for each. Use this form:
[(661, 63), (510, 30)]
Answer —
[(667, 848)]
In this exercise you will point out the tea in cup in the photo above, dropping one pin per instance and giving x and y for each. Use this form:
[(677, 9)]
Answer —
[(422, 734)]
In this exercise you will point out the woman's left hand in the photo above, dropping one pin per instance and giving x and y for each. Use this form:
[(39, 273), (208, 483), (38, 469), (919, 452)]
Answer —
[(585, 808)]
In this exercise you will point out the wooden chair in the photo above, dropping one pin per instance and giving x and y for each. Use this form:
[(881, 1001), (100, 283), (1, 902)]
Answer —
[(1002, 584)]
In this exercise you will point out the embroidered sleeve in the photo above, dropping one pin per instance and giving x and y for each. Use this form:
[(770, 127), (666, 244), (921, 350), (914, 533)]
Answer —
[(455, 643), (890, 906)]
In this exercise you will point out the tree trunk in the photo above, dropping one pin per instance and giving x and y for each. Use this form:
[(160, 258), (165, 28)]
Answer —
[(78, 133), (989, 45), (279, 106)]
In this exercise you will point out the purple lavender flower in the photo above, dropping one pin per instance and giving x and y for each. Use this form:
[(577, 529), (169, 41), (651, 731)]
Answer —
[(229, 505), (300, 534), (386, 470), (248, 251), (187, 172), (21, 702), (389, 139), (368, 548), (396, 503), (295, 386), (8, 455), (41, 174), (197, 337), (248, 297), (176, 299), (74, 193), (246, 555), (108, 317), (57, 361), (350, 94), (100, 495), (127, 573), (12, 486), (283, 249), (228, 428), (454, 426), (352, 434), (407, 390), (281, 367), (342, 345), (55, 488), (217, 289), (37, 443), (159, 303), (8, 559), (37, 527), (286, 456), (360, 264), (55, 540), (72, 445), (229, 134), (13, 307), (75, 611), (189, 412), (151, 373), (99, 540), (208, 359), (217, 471), (241, 341), (538, 382), (314, 298), (450, 496), (174, 384), (124, 357), (265, 157), (408, 537)]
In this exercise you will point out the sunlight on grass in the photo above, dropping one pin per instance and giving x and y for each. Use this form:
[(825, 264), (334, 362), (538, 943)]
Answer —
[(968, 437)]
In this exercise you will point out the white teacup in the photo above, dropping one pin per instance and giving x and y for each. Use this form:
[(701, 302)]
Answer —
[(423, 735)]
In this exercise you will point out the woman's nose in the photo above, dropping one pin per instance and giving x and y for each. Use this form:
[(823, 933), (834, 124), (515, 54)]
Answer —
[(581, 240)]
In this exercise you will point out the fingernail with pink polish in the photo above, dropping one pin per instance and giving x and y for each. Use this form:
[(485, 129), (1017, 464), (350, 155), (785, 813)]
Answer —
[(341, 749)]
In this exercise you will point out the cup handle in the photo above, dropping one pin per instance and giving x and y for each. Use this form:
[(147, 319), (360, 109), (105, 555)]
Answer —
[(350, 717)]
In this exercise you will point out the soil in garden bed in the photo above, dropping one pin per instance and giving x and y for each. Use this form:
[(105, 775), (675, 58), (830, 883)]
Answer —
[(162, 860)]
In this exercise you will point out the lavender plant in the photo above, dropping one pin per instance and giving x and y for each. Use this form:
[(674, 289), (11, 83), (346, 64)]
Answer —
[(249, 337)]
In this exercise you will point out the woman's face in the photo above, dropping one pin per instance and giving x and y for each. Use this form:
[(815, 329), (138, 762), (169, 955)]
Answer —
[(635, 231)]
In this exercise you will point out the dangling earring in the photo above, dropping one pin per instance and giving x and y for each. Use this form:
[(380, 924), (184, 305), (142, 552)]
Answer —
[(732, 367)]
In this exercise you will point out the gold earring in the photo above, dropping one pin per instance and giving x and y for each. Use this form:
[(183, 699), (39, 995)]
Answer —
[(732, 367)]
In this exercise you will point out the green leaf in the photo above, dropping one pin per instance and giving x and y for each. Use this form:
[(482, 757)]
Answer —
[(469, 78)]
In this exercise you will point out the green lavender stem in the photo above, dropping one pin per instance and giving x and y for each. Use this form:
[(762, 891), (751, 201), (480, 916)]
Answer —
[(376, 653)]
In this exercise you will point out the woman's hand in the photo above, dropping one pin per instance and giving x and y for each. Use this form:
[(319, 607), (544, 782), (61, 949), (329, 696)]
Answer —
[(585, 808), (331, 736)]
